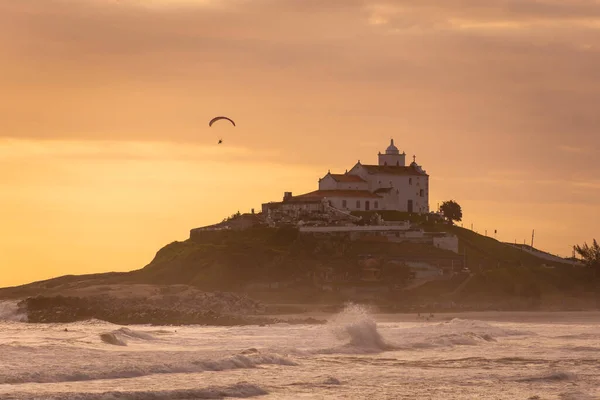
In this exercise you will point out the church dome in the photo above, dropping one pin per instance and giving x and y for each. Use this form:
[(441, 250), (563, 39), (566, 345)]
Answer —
[(392, 149), (414, 164)]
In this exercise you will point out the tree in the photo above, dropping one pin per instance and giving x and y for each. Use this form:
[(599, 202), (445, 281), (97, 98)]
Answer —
[(451, 211), (590, 255)]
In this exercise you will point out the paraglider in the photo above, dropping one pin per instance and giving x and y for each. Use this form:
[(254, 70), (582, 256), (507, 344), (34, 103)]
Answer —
[(215, 119)]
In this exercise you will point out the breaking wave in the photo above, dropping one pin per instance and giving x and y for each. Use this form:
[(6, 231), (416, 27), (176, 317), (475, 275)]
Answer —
[(239, 390), (355, 325), (121, 336), (9, 311), (456, 332), (237, 361), (478, 327)]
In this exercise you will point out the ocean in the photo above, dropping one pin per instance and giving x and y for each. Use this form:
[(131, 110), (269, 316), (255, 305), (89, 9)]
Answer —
[(356, 355)]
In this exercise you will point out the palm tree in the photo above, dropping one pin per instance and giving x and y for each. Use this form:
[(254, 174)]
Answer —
[(590, 255)]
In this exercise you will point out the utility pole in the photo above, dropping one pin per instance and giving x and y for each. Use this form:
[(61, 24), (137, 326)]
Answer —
[(532, 234)]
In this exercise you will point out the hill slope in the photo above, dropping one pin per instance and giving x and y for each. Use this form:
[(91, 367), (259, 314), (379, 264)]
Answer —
[(231, 260)]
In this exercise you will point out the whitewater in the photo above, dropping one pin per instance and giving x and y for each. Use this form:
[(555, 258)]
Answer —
[(356, 355)]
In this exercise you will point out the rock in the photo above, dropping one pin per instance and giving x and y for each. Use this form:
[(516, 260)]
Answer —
[(123, 311)]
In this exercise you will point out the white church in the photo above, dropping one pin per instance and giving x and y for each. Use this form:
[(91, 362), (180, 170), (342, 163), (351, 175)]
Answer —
[(389, 185)]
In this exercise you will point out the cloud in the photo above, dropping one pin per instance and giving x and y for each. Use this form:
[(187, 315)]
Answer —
[(24, 150), (573, 149), (515, 77), (592, 184)]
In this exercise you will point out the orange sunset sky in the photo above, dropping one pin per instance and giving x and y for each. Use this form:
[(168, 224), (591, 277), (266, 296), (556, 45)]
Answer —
[(106, 156)]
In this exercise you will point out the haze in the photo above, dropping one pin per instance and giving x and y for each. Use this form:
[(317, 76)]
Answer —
[(106, 156)]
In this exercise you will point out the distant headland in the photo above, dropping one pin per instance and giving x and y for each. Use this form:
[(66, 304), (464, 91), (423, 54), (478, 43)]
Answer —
[(366, 235)]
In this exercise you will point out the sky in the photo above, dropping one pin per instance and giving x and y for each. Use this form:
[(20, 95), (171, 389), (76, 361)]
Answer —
[(106, 156)]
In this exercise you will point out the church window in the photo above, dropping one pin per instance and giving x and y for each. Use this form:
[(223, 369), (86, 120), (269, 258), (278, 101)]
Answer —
[(376, 204), (344, 203), (410, 181), (422, 192), (357, 203), (397, 163)]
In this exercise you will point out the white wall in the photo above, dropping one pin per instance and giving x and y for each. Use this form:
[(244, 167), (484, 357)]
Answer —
[(408, 187), (449, 242), (401, 226), (351, 203), (392, 159)]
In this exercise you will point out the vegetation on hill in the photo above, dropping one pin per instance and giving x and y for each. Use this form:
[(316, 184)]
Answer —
[(452, 211), (590, 255), (230, 260)]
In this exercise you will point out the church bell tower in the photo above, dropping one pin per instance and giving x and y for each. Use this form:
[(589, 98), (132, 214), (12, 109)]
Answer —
[(392, 156)]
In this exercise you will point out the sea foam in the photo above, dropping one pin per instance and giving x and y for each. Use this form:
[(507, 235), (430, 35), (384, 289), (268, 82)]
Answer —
[(9, 311)]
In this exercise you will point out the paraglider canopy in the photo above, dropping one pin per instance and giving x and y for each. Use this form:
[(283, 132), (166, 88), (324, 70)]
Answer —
[(215, 119)]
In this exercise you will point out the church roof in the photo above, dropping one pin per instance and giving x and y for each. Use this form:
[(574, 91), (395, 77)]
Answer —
[(320, 194), (392, 149), (347, 178), (392, 170)]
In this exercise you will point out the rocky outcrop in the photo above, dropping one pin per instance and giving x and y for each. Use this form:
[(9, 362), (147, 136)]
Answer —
[(125, 311)]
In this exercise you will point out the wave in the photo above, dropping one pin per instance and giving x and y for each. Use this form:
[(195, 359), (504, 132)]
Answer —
[(452, 339), (237, 361), (478, 327), (576, 395), (550, 377), (120, 336), (355, 325), (239, 390), (582, 348), (582, 336), (456, 332), (112, 338), (9, 311), (91, 322)]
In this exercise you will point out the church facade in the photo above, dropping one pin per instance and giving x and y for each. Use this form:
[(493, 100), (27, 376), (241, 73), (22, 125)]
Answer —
[(388, 185)]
